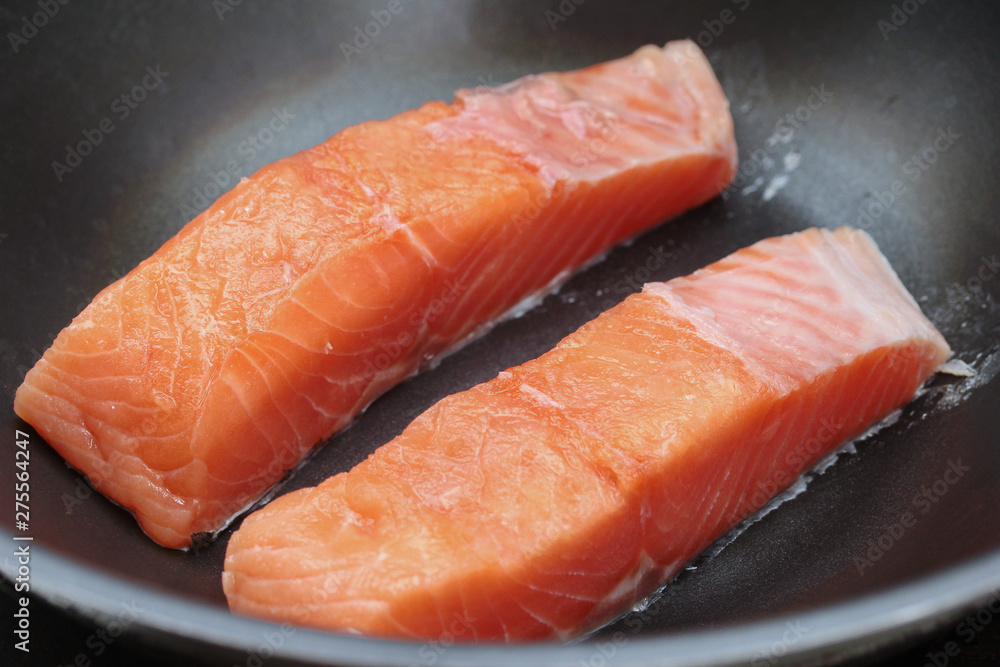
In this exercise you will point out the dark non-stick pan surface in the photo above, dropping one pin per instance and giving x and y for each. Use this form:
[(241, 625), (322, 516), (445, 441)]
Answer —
[(877, 115)]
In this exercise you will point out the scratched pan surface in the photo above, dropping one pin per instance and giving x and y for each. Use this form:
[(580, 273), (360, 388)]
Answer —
[(845, 114)]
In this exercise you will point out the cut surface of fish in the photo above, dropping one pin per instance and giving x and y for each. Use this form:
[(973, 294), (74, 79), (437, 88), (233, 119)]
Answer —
[(188, 388), (548, 500)]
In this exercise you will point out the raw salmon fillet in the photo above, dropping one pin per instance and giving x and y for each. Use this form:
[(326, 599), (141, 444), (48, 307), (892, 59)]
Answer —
[(192, 385), (549, 499)]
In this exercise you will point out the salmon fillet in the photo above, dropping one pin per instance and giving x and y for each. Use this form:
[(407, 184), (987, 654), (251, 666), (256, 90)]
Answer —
[(188, 388), (546, 501)]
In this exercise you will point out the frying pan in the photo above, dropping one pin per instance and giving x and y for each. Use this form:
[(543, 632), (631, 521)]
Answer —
[(876, 115)]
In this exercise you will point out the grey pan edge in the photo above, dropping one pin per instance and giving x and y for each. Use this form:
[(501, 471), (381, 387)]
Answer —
[(837, 632)]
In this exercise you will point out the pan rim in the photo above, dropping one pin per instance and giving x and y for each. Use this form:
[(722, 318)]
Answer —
[(834, 631)]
